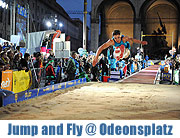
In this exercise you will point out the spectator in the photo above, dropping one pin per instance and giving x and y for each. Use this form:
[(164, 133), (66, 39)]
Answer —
[(121, 65), (24, 62), (6, 45), (58, 73), (1, 48), (87, 66), (50, 74), (38, 67), (45, 60), (12, 46), (37, 62), (10, 55), (18, 50), (71, 66), (51, 55), (146, 58), (112, 63), (111, 59), (16, 61), (103, 64), (4, 58), (95, 73)]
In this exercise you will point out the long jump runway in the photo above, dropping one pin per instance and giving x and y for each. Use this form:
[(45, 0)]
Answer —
[(146, 76)]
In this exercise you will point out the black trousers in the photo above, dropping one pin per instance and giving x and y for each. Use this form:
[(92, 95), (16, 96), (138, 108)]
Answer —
[(71, 76)]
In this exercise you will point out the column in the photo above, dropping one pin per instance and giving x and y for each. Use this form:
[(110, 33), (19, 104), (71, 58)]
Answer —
[(94, 35), (137, 34), (178, 35)]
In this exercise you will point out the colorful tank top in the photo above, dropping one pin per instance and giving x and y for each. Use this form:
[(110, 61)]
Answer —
[(126, 44)]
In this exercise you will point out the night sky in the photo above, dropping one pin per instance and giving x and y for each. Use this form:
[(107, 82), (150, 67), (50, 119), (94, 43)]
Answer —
[(76, 5)]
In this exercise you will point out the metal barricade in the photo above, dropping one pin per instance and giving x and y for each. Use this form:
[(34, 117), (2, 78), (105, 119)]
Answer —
[(39, 77)]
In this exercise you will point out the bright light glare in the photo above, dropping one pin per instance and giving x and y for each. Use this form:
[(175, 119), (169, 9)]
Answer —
[(6, 6), (49, 24), (3, 5), (60, 25)]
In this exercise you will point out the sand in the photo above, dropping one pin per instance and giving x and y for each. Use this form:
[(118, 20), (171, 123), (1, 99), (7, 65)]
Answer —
[(101, 101)]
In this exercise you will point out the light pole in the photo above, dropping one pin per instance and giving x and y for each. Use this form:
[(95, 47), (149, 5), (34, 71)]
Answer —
[(4, 5), (84, 24), (27, 37), (14, 17)]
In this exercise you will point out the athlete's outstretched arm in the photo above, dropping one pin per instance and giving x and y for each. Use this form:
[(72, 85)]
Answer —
[(100, 49), (126, 38)]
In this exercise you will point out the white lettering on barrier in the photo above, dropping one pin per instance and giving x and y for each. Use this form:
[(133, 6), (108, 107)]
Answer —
[(5, 84)]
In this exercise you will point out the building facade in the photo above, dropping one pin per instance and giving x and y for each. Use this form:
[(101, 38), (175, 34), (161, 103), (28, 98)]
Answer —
[(134, 17), (41, 11)]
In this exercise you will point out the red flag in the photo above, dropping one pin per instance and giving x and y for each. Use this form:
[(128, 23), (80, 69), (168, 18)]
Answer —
[(125, 70), (56, 35)]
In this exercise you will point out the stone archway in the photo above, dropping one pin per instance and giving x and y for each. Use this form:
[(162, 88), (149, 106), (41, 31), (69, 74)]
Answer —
[(169, 15), (109, 15), (116, 15), (140, 9)]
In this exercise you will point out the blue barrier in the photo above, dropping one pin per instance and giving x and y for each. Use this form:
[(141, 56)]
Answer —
[(29, 94), (166, 76)]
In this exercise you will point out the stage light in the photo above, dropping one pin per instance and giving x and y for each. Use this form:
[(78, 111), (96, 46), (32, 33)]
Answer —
[(60, 25), (7, 6), (49, 24), (3, 4)]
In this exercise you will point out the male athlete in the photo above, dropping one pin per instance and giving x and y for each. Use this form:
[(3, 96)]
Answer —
[(121, 46)]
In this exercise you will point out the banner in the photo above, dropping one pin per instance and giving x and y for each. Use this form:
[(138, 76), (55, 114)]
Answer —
[(23, 50), (35, 41), (125, 70), (166, 77), (25, 95), (6, 83), (90, 128), (21, 81), (176, 76)]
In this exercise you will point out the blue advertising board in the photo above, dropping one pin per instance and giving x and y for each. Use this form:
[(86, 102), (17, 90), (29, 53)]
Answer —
[(166, 77), (21, 11), (25, 95)]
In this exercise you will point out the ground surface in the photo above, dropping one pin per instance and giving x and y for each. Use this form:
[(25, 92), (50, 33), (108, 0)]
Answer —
[(101, 101)]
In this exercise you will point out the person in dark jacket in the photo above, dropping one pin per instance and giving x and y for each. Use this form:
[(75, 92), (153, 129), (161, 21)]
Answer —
[(103, 65), (24, 62), (71, 66), (16, 61)]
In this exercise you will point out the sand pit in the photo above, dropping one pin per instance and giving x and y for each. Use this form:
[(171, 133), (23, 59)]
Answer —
[(100, 101)]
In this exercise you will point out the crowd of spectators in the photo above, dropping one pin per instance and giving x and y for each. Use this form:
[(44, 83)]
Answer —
[(56, 70), (11, 58), (61, 70)]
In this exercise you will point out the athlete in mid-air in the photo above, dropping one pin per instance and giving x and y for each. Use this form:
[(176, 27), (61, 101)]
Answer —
[(121, 46)]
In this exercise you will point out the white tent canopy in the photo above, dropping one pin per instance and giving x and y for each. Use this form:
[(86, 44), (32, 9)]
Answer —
[(35, 40), (3, 40)]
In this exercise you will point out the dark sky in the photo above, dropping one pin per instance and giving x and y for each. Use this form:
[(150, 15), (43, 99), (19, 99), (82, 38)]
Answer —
[(75, 5)]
